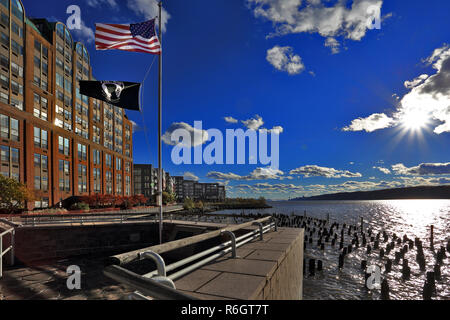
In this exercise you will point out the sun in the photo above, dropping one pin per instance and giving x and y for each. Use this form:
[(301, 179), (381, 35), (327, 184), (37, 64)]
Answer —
[(415, 120)]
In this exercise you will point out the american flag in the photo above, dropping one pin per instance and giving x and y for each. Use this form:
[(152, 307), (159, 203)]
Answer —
[(137, 37)]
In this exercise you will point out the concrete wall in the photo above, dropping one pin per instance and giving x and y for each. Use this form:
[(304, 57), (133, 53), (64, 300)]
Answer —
[(46, 244), (286, 282)]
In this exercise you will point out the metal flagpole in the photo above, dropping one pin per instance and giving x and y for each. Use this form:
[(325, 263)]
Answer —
[(159, 130)]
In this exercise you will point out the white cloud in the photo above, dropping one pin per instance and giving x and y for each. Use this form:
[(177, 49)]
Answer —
[(190, 176), (372, 123), (85, 34), (316, 171), (383, 170), (317, 16), (431, 96), (231, 120), (270, 188), (423, 169), (275, 130), (257, 174), (149, 9), (414, 83), (253, 123), (427, 101), (283, 59), (333, 44), (198, 137), (98, 3)]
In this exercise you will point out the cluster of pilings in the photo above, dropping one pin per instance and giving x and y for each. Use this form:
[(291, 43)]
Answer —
[(347, 238)]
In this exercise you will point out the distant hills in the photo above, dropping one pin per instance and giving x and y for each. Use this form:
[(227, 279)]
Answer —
[(424, 192)]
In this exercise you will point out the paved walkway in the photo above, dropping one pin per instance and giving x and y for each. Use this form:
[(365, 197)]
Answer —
[(50, 283)]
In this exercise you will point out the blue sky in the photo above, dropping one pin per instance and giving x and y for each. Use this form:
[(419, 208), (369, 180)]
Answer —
[(355, 114)]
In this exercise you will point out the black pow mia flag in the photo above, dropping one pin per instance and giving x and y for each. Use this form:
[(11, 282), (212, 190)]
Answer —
[(120, 94)]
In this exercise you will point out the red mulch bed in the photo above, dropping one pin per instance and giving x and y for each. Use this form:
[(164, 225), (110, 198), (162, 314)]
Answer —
[(70, 212)]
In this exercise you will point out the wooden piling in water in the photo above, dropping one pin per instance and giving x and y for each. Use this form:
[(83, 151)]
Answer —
[(385, 290)]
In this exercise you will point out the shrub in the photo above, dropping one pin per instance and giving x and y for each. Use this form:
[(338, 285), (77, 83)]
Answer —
[(13, 195), (168, 197), (199, 205), (188, 204), (80, 206), (139, 199)]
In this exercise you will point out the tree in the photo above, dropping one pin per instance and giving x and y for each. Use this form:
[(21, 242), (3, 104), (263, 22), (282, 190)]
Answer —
[(199, 206), (13, 195), (188, 204), (168, 197)]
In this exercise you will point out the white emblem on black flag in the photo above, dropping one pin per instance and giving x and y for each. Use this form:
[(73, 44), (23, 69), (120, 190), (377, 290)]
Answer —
[(121, 94), (112, 90)]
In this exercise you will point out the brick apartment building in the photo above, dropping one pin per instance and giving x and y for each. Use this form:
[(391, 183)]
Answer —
[(211, 192), (145, 179), (56, 141)]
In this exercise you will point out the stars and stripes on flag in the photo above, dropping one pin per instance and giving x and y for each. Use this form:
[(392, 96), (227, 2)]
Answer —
[(136, 37)]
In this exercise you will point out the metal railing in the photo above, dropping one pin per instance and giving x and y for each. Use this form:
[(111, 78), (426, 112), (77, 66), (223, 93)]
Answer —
[(122, 217), (10, 249), (190, 264), (85, 219)]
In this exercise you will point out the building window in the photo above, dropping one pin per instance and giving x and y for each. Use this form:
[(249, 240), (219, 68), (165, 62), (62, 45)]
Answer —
[(108, 160), (17, 9), (59, 80), (4, 39), (118, 164), (4, 81), (97, 180), (127, 185), (82, 178), (64, 146), (97, 157), (16, 88), (9, 161), (16, 29), (64, 175), (82, 152), (16, 70), (9, 128), (16, 48), (40, 138), (4, 20), (127, 167), (96, 135), (119, 184), (40, 107), (109, 182), (40, 172)]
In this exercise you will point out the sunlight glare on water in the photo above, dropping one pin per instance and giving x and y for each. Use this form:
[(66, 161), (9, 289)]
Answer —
[(402, 217)]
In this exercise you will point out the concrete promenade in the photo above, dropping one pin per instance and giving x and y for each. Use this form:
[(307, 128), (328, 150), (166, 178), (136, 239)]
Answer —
[(268, 270)]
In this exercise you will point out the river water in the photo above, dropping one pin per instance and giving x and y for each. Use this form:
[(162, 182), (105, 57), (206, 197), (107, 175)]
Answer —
[(402, 217)]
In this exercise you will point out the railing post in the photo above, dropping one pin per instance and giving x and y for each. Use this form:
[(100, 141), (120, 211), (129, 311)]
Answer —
[(260, 230), (1, 257), (160, 264), (13, 234), (276, 223), (233, 242)]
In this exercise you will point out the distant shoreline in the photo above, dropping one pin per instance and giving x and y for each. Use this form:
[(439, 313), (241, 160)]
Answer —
[(410, 193)]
